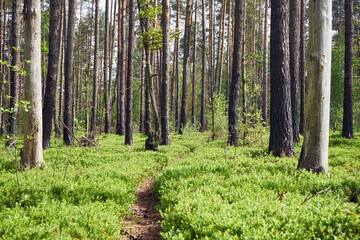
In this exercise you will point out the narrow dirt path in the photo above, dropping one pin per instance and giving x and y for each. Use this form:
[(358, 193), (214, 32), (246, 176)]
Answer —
[(144, 223)]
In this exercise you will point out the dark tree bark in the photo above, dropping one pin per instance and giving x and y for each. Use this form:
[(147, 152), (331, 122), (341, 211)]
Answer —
[(281, 134), (142, 93), (165, 22), (121, 111), (177, 73), (294, 66), (129, 85), (193, 105), (302, 67), (186, 70), (229, 51), (96, 71), (265, 67), (236, 74), (69, 75), (105, 75), (14, 74), (53, 70), (203, 70), (347, 130)]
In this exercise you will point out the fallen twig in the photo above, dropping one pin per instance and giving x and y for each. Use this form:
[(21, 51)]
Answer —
[(314, 194), (131, 237)]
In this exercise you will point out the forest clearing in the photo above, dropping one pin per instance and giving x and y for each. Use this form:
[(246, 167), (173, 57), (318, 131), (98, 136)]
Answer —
[(179, 119), (204, 193)]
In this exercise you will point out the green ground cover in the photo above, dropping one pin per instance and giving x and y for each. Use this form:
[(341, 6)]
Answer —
[(93, 199), (257, 196), (203, 194)]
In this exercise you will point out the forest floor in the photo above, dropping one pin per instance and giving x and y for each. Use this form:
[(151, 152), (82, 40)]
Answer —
[(144, 221)]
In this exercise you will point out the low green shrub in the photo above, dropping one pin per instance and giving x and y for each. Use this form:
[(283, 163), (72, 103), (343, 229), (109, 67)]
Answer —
[(258, 196)]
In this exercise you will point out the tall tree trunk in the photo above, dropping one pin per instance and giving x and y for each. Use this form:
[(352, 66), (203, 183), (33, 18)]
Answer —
[(87, 119), (165, 22), (281, 134), (347, 130), (177, 76), (78, 103), (203, 69), (302, 67), (14, 74), (32, 155), (186, 70), (193, 106), (236, 73), (69, 75), (142, 93), (294, 66), (105, 75), (221, 48), (2, 56), (229, 52), (265, 82), (129, 85), (53, 71), (314, 153), (121, 113), (96, 71)]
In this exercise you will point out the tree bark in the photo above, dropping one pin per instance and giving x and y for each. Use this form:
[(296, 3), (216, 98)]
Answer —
[(234, 93), (314, 153), (142, 93), (53, 71), (203, 70), (105, 75), (69, 75), (96, 71), (177, 76), (193, 106), (165, 21), (281, 134), (32, 155), (129, 85), (294, 66), (121, 113), (265, 82), (302, 67), (184, 99), (347, 130), (14, 73)]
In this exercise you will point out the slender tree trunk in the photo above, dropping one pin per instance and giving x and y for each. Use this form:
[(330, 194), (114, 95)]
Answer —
[(236, 73), (87, 121), (165, 22), (193, 108), (265, 67), (105, 75), (78, 103), (184, 99), (177, 76), (14, 74), (229, 52), (118, 71), (69, 75), (294, 66), (121, 117), (302, 67), (347, 130), (129, 85), (203, 70), (221, 46), (53, 71), (96, 71), (314, 153), (281, 134), (2, 56), (142, 93), (32, 156)]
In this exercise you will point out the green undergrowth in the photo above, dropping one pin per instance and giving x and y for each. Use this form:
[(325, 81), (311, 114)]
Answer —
[(252, 195), (82, 193)]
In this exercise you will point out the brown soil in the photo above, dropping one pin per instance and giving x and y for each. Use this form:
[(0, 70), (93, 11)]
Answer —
[(144, 223)]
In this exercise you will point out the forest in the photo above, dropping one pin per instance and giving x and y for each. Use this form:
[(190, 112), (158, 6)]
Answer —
[(181, 119)]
